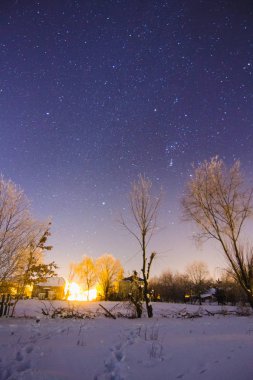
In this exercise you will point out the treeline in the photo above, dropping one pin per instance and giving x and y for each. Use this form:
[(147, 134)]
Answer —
[(182, 287), (195, 285)]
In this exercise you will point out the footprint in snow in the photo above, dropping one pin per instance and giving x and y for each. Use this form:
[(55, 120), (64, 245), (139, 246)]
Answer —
[(115, 368), (119, 355), (5, 373), (23, 366), (29, 349), (19, 356)]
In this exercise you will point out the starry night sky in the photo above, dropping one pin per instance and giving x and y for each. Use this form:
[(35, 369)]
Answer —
[(93, 93)]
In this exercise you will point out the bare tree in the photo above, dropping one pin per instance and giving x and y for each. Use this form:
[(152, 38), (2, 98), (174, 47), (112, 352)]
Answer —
[(22, 241), (72, 271), (16, 227), (144, 209), (86, 272), (218, 202), (109, 273), (198, 273)]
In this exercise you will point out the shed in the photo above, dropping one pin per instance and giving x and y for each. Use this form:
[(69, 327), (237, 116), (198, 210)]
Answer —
[(52, 288)]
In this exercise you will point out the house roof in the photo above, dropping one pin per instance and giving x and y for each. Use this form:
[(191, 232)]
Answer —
[(53, 281), (209, 293), (131, 278)]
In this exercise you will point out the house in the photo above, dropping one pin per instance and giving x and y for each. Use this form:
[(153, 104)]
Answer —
[(210, 295), (52, 288), (128, 284)]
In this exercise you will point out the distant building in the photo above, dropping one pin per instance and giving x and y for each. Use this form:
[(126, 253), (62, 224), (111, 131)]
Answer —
[(210, 295), (126, 285), (52, 288)]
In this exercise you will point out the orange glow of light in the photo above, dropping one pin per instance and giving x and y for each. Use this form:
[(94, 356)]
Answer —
[(74, 292)]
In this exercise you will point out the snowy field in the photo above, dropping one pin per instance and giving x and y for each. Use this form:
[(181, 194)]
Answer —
[(180, 342)]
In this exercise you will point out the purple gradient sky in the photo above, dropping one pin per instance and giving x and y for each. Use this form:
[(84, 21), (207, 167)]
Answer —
[(95, 92)]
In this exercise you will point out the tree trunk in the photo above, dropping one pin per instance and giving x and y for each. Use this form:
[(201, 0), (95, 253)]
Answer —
[(250, 299), (88, 298), (145, 290), (149, 307)]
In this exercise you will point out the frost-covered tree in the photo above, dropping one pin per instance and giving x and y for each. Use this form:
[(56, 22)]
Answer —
[(22, 241), (31, 268), (16, 227), (218, 201)]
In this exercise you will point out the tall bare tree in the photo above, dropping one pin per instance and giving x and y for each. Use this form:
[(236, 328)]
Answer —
[(217, 200), (144, 209), (16, 227), (22, 241)]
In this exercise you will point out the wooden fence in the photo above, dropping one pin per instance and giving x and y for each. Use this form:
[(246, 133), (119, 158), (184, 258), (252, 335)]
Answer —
[(6, 305)]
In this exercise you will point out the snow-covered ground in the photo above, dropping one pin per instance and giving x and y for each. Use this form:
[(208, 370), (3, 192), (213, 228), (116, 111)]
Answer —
[(172, 345)]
